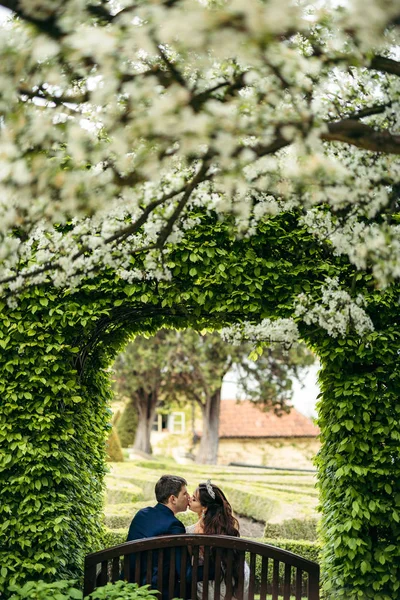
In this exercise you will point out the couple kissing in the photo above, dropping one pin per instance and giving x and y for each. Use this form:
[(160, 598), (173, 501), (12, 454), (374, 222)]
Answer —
[(215, 517)]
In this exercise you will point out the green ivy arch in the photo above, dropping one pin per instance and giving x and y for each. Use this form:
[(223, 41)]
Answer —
[(55, 392)]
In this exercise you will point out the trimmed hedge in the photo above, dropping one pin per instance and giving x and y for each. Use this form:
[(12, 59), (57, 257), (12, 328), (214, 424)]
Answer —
[(257, 506), (292, 529), (127, 424), (119, 516), (305, 549), (122, 492), (113, 445)]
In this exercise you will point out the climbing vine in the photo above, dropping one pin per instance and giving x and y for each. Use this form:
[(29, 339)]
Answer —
[(55, 390)]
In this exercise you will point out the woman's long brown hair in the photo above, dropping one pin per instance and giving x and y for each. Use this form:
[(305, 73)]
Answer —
[(219, 520)]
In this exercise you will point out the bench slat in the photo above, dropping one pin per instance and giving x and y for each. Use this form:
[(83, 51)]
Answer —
[(160, 565), (195, 565), (299, 577), (126, 567), (172, 572), (252, 580), (115, 569), (286, 585), (138, 560), (182, 590), (240, 587), (217, 582), (149, 567), (275, 580)]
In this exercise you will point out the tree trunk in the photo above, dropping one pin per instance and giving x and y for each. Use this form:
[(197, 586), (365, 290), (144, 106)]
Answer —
[(146, 406), (208, 450)]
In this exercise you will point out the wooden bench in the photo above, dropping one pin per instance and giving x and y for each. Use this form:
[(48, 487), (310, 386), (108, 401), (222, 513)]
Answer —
[(275, 574)]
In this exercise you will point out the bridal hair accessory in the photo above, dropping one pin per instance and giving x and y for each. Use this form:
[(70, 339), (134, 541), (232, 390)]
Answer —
[(209, 489)]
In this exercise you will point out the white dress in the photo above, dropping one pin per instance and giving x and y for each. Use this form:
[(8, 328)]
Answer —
[(222, 589)]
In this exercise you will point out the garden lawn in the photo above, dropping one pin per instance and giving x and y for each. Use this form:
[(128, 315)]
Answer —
[(267, 496)]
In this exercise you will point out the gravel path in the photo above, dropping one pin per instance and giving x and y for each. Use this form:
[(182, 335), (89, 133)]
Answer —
[(251, 528)]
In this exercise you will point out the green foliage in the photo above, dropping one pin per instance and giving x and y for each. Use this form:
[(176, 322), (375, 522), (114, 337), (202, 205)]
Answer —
[(264, 492), (55, 390), (121, 590), (52, 434), (118, 516), (359, 462), (123, 492), (64, 590), (114, 450), (39, 590), (187, 518), (304, 548), (111, 538), (259, 506), (292, 529), (127, 424)]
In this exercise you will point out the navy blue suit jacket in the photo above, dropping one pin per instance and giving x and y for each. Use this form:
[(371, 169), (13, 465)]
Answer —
[(153, 521)]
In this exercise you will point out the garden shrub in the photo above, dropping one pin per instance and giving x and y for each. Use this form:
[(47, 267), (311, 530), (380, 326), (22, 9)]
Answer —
[(112, 537), (65, 590), (305, 549), (39, 590), (154, 464), (127, 424), (53, 425), (187, 518), (121, 590), (120, 517), (121, 491), (258, 506), (146, 486), (116, 417), (292, 529), (114, 450)]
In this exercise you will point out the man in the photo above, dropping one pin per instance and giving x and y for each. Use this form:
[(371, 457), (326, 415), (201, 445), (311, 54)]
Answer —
[(172, 497)]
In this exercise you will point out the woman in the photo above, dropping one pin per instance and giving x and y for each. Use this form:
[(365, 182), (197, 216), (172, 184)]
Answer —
[(216, 518)]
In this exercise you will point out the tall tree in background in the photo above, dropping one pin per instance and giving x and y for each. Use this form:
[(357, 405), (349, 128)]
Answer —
[(201, 363), (141, 376), (189, 367)]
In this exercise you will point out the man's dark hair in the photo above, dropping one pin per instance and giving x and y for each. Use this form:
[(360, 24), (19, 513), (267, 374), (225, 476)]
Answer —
[(168, 485)]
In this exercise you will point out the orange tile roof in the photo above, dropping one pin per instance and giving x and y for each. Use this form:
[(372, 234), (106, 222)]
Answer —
[(246, 419)]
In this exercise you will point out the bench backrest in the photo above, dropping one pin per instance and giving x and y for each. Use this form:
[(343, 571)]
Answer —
[(275, 574)]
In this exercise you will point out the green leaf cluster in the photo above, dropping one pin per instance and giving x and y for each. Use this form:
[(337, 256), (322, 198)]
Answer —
[(65, 590), (359, 462), (55, 390)]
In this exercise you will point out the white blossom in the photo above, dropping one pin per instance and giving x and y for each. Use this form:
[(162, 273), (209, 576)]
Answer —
[(336, 311)]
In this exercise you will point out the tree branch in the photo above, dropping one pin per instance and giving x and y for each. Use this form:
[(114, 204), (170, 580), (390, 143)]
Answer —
[(387, 65), (48, 24), (166, 231), (369, 111), (362, 136)]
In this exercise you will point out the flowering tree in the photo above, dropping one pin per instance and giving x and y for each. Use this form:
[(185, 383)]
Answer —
[(120, 118)]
